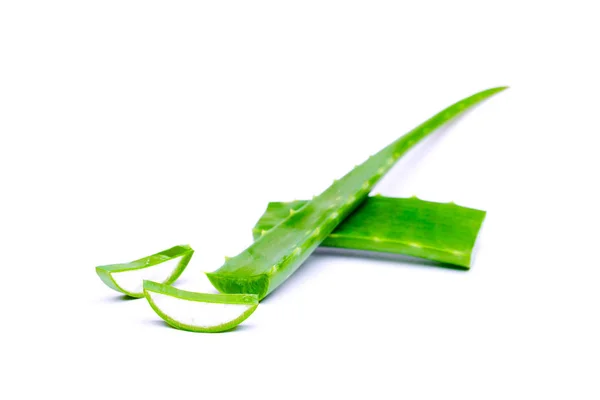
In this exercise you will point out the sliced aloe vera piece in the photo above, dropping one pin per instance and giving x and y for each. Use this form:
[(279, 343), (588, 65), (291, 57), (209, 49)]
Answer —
[(164, 267), (443, 232), (199, 312), (276, 255)]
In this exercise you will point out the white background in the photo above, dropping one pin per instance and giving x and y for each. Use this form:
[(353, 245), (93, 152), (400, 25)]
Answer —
[(127, 127)]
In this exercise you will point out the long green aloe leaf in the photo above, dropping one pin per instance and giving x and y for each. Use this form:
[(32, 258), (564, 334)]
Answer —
[(443, 232), (271, 259)]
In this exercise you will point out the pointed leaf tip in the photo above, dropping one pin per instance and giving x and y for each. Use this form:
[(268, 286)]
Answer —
[(496, 90)]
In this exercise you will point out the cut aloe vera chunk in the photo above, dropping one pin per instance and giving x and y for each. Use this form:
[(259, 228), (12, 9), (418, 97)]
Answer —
[(164, 267), (276, 255), (443, 232), (199, 312)]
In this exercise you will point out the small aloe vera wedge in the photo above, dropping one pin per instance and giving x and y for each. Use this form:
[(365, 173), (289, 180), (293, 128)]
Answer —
[(443, 232), (276, 255), (199, 312), (164, 267)]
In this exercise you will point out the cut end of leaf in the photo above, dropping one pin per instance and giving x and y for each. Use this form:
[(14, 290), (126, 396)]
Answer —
[(232, 283), (199, 312), (164, 267)]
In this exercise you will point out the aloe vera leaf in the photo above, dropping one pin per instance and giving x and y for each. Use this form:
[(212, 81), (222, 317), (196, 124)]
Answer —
[(199, 312), (271, 259), (165, 266), (443, 232)]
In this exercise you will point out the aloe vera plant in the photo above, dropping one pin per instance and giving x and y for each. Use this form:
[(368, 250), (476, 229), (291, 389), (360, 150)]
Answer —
[(199, 312), (277, 254), (165, 266), (443, 232)]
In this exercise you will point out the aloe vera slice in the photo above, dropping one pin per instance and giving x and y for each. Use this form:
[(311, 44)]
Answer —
[(276, 255), (199, 312), (164, 267), (443, 232)]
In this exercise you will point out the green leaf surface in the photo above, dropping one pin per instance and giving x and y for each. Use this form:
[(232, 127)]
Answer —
[(271, 259), (442, 232)]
